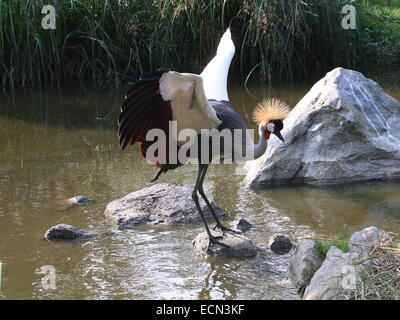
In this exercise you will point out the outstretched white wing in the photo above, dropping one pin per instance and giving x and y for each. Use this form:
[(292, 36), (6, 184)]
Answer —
[(190, 108)]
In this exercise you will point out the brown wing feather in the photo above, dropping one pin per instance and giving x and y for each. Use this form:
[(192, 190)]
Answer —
[(135, 124), (144, 109), (142, 105)]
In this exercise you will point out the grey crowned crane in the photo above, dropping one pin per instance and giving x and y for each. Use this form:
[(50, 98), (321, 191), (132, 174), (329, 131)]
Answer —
[(197, 102)]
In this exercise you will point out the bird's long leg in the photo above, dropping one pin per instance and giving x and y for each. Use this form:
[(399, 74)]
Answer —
[(196, 201), (219, 225)]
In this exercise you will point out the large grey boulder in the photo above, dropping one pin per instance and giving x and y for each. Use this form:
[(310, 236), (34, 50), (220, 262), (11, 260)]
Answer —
[(163, 203), (345, 129)]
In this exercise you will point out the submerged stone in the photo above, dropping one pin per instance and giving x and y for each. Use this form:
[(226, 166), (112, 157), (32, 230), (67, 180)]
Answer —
[(68, 232), (76, 201)]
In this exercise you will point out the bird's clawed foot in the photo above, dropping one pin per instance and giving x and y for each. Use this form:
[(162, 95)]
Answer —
[(213, 240), (224, 229)]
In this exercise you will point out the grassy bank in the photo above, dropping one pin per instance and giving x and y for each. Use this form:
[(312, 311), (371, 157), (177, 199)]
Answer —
[(381, 281), (109, 41)]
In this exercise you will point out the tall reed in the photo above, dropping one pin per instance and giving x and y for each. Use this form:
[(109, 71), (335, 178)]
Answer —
[(109, 41)]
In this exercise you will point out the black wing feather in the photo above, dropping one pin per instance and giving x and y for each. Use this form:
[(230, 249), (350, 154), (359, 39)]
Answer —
[(142, 107)]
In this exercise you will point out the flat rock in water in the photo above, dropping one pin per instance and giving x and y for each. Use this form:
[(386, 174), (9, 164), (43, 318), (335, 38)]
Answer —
[(238, 245), (346, 129), (68, 232), (163, 203)]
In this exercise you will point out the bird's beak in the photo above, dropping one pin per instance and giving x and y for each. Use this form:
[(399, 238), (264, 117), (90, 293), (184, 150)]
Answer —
[(278, 134)]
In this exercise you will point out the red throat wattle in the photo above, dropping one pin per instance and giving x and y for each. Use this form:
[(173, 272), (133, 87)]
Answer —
[(267, 134)]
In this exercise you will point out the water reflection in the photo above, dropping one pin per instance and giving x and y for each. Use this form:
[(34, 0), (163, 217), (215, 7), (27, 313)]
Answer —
[(337, 209)]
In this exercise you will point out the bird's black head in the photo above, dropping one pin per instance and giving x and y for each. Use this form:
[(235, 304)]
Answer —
[(277, 130), (273, 126)]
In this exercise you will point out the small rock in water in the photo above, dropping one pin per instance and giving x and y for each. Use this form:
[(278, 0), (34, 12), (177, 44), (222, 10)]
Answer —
[(280, 244), (242, 225), (237, 245), (76, 201), (68, 232)]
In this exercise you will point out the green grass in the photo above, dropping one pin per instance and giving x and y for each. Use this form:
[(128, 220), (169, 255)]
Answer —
[(323, 246), (111, 41)]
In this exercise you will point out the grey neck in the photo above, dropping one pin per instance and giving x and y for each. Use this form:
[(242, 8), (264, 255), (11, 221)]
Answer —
[(260, 147)]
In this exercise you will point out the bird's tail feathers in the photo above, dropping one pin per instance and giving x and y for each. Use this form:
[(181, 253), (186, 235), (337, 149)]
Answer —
[(215, 74)]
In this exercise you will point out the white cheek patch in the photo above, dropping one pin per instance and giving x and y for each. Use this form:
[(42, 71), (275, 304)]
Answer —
[(270, 127)]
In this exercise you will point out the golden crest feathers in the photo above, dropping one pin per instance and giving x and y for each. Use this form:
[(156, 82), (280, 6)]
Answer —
[(270, 109)]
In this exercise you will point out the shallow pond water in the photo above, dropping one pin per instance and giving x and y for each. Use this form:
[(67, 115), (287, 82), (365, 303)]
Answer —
[(56, 144)]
